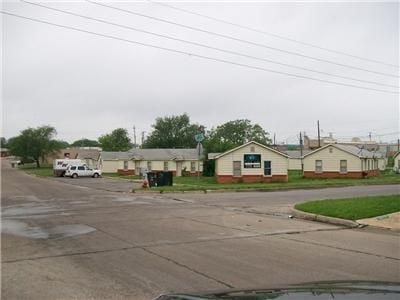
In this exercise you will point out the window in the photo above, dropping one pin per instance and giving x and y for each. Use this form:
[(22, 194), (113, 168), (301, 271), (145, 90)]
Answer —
[(165, 166), (267, 168), (343, 166), (368, 168), (252, 160), (73, 168), (149, 165), (192, 166), (237, 168), (125, 165), (318, 166), (81, 168)]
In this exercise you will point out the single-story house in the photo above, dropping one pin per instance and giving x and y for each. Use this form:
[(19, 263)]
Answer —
[(70, 152), (251, 162), (396, 164), (139, 161), (89, 156), (340, 161), (295, 158), (4, 152)]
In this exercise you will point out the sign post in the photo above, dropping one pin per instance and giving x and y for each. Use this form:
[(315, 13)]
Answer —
[(198, 138)]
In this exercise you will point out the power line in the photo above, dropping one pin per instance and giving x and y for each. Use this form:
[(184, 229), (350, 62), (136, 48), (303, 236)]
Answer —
[(271, 34), (241, 40), (192, 54), (205, 45)]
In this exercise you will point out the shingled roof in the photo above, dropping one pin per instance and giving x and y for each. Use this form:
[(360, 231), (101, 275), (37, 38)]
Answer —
[(152, 154)]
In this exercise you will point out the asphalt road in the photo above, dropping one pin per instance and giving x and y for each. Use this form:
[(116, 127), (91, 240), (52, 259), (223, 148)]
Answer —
[(64, 241)]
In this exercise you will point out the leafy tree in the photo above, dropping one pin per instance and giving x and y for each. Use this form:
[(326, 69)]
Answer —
[(35, 143), (63, 144), (173, 132), (235, 133), (84, 142), (117, 140)]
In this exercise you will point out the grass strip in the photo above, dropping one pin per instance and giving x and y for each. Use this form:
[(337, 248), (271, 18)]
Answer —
[(353, 208)]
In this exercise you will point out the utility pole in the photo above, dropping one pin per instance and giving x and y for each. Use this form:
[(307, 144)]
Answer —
[(398, 144), (142, 138), (319, 135), (134, 136), (301, 152), (274, 140), (370, 136)]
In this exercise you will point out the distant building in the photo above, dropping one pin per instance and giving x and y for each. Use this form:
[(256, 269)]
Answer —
[(70, 152), (137, 161), (4, 152)]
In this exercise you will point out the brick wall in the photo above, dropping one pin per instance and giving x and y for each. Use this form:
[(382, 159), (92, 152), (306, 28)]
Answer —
[(358, 174)]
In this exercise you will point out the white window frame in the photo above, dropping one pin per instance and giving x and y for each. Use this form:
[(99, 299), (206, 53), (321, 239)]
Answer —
[(192, 166), (166, 165), (343, 168), (318, 169)]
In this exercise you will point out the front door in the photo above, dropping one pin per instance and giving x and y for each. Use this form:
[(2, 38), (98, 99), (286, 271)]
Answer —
[(237, 168), (137, 168), (178, 168)]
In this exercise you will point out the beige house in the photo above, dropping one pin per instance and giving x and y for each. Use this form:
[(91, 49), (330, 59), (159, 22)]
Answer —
[(251, 162), (138, 161), (340, 161)]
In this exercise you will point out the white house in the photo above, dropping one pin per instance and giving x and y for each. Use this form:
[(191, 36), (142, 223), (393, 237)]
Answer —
[(251, 162), (137, 161), (340, 161)]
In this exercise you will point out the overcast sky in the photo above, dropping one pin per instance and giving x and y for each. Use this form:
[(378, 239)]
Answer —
[(86, 85)]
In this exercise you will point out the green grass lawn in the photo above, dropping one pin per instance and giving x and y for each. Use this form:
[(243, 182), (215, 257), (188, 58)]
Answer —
[(43, 171), (353, 208), (115, 175), (296, 180)]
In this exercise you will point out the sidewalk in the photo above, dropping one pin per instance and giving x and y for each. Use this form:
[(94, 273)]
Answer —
[(390, 221)]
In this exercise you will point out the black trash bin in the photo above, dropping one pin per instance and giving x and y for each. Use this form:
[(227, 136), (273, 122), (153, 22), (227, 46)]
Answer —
[(152, 179), (164, 178)]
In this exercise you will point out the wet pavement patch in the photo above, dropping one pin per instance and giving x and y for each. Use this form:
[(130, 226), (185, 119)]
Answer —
[(22, 229)]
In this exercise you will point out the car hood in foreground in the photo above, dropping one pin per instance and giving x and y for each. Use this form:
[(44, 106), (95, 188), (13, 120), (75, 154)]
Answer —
[(349, 290)]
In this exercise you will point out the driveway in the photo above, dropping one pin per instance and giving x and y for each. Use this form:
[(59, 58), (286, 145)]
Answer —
[(65, 241)]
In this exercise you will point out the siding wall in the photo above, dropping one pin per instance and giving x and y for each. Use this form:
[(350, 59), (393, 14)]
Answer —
[(112, 166), (294, 164), (279, 163), (331, 161)]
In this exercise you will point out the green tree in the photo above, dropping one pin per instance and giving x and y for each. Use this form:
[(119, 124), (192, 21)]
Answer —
[(117, 140), (84, 142), (173, 132), (235, 133), (35, 143)]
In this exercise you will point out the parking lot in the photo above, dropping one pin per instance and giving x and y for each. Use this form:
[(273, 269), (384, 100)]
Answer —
[(81, 239)]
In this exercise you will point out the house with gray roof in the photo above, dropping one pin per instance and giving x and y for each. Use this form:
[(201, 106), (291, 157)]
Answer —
[(340, 161), (89, 156), (139, 161)]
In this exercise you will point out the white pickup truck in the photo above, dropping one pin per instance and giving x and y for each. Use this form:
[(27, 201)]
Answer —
[(75, 171)]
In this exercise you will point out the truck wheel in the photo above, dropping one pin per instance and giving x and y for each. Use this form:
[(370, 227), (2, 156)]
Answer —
[(74, 175), (96, 175)]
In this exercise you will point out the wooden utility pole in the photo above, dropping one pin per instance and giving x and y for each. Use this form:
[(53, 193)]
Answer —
[(142, 138), (134, 136), (319, 135), (301, 152), (274, 140)]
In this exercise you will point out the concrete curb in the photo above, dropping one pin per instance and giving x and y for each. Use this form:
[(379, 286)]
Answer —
[(319, 218)]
